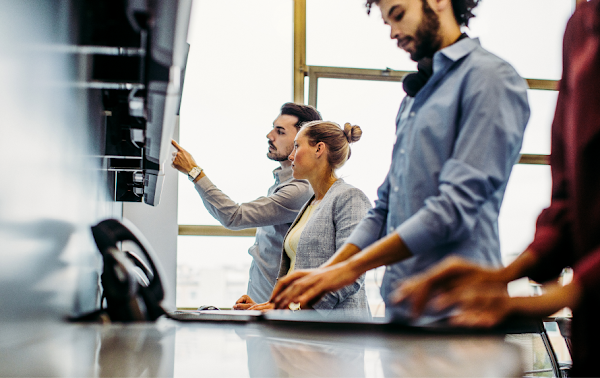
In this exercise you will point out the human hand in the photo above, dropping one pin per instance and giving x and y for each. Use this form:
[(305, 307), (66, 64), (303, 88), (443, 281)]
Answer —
[(244, 303), (488, 305), (450, 277), (182, 160), (306, 287), (264, 307)]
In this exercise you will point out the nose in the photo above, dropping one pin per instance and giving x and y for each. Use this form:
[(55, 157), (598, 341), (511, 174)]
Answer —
[(270, 135), (291, 157), (394, 32)]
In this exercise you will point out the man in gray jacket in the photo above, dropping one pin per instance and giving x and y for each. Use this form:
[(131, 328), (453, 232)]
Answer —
[(273, 214)]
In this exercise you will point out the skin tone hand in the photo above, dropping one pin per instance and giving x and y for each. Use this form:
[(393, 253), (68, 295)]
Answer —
[(183, 160), (480, 294), (454, 275), (244, 303), (486, 306), (344, 267), (264, 307)]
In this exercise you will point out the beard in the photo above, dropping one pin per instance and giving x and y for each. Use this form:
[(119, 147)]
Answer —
[(427, 37), (278, 156)]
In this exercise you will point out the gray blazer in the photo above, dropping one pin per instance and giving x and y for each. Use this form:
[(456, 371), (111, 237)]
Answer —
[(339, 212)]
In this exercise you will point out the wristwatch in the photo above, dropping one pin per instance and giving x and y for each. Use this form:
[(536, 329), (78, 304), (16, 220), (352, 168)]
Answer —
[(194, 173)]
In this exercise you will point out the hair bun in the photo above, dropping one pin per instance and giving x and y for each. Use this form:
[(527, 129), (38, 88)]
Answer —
[(353, 133)]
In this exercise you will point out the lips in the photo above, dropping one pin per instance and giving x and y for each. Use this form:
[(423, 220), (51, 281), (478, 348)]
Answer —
[(403, 43)]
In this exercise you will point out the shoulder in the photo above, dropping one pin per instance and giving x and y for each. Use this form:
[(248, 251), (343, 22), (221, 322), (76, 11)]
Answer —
[(487, 68), (344, 193)]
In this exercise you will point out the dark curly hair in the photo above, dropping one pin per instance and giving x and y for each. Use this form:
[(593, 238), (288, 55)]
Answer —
[(463, 9)]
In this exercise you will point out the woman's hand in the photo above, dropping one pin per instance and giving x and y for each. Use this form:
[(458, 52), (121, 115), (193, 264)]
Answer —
[(308, 286), (244, 303), (264, 307)]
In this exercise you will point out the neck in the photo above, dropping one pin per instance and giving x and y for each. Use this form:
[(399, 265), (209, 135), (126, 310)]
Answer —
[(321, 185), (285, 163), (449, 31)]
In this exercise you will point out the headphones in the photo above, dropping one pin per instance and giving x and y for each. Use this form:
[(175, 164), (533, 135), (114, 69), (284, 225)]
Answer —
[(132, 288), (413, 82)]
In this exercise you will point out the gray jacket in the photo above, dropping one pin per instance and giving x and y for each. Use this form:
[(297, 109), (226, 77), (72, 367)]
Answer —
[(340, 210), (272, 215)]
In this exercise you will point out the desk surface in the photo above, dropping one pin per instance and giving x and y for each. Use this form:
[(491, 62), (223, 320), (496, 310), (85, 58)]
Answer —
[(171, 349)]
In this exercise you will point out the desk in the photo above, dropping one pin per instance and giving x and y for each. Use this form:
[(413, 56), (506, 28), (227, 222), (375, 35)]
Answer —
[(172, 349)]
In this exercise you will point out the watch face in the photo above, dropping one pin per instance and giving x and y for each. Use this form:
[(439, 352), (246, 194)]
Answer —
[(194, 173)]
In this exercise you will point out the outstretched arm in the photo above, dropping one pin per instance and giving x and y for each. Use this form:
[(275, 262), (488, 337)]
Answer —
[(279, 208)]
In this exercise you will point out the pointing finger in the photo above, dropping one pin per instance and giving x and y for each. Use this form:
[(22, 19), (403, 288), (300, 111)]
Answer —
[(176, 145)]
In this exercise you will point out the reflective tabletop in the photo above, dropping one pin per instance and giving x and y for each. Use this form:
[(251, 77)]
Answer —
[(173, 349)]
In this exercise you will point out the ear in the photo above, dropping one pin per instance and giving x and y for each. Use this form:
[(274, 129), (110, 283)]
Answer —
[(440, 5), (320, 149)]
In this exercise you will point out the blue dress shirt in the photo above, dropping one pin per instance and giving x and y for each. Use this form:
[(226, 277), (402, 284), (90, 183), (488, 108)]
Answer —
[(456, 143)]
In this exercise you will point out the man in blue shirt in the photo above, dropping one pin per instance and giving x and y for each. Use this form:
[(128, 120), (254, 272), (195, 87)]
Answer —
[(459, 132)]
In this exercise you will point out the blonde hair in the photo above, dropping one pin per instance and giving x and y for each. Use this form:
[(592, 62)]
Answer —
[(337, 140)]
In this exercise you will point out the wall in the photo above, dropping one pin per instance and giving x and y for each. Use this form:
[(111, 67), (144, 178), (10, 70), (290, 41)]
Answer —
[(159, 226)]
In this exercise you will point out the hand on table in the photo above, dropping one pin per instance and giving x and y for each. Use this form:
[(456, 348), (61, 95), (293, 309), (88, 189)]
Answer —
[(244, 303), (308, 286), (445, 282), (264, 307)]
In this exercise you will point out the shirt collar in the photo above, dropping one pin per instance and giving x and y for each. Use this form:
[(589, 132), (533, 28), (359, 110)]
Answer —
[(455, 51), (282, 174)]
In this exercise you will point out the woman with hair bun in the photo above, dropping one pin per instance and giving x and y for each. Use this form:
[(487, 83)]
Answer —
[(327, 219)]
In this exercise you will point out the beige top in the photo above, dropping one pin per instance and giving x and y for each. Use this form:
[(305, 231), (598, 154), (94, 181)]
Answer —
[(290, 243)]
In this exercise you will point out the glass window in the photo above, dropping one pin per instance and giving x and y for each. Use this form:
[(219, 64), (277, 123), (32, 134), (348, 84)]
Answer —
[(339, 33), (526, 33), (373, 106), (527, 194), (212, 270), (537, 133), (238, 75)]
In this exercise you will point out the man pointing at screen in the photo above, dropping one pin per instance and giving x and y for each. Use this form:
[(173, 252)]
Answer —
[(273, 214)]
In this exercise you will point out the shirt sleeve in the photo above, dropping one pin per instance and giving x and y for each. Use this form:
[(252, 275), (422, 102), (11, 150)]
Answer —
[(372, 226), (494, 112), (349, 209), (279, 208)]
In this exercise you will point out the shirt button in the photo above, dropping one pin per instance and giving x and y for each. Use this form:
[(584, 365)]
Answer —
[(412, 114), (395, 188), (391, 229), (388, 268), (402, 150)]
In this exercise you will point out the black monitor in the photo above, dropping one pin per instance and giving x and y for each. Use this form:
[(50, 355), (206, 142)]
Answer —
[(166, 56)]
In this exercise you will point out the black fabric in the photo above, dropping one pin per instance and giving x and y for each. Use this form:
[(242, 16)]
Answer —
[(413, 82)]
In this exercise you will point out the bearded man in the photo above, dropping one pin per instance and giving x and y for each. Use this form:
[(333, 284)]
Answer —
[(459, 131), (273, 214)]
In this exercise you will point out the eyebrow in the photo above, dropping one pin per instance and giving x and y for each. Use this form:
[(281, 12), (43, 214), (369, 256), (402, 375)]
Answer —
[(392, 9)]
